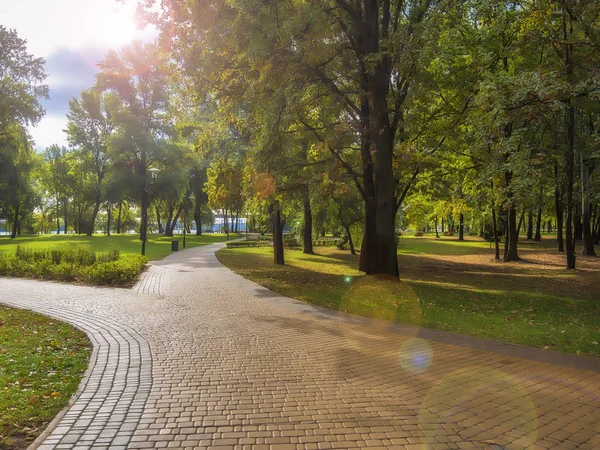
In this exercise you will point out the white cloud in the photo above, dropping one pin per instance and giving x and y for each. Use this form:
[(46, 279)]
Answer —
[(52, 24), (49, 131)]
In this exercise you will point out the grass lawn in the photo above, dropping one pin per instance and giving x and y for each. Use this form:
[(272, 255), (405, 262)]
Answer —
[(157, 247), (458, 286), (42, 361)]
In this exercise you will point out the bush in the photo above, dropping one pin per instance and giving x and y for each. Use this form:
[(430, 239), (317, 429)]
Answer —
[(123, 271), (78, 263), (325, 242), (244, 244)]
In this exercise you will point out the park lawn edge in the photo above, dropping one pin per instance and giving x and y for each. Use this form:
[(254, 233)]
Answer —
[(86, 354), (493, 328)]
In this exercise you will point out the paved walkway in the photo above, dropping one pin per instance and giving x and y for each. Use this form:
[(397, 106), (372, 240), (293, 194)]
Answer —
[(197, 357)]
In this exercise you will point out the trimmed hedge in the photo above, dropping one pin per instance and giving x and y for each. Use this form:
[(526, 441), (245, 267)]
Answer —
[(79, 264), (243, 244)]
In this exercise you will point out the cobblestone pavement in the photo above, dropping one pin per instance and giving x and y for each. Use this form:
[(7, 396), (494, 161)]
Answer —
[(197, 357)]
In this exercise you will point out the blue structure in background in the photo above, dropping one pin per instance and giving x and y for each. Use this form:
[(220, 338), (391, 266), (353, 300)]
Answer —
[(217, 227)]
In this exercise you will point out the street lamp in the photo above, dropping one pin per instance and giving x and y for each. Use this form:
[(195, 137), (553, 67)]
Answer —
[(185, 205), (153, 174)]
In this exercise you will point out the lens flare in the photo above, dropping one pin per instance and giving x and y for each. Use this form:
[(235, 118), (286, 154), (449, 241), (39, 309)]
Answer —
[(415, 356), (385, 299), (481, 404)]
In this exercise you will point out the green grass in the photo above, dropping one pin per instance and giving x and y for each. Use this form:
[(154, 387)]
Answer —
[(42, 361), (458, 287), (157, 247)]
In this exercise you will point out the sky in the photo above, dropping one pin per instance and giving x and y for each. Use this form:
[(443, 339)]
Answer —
[(72, 36)]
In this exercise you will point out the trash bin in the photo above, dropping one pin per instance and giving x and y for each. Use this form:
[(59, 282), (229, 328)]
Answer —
[(175, 246)]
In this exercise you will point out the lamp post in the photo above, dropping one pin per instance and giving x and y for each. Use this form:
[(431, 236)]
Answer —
[(185, 205), (153, 174)]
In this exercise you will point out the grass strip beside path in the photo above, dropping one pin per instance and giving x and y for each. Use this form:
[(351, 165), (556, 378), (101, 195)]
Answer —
[(158, 246), (42, 361), (534, 303)]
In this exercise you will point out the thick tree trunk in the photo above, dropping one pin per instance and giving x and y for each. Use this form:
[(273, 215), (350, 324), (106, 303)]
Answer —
[(119, 217), (307, 230), (92, 223), (278, 256), (198, 220), (538, 225), (16, 225), (513, 236), (170, 229), (367, 261), (461, 227)]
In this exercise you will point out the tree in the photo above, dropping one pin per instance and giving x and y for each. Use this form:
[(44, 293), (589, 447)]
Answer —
[(17, 160), (56, 179), (21, 77), (138, 78), (89, 129)]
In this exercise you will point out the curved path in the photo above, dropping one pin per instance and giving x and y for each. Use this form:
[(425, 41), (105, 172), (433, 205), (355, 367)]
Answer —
[(197, 357)]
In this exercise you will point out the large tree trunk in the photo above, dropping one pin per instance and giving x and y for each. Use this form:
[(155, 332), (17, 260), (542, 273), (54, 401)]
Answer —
[(198, 220), (387, 257), (92, 223), (170, 229), (278, 256), (307, 230), (16, 225), (513, 236)]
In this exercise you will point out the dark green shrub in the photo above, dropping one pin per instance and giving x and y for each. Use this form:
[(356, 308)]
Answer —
[(243, 244), (325, 242), (123, 271), (73, 264)]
